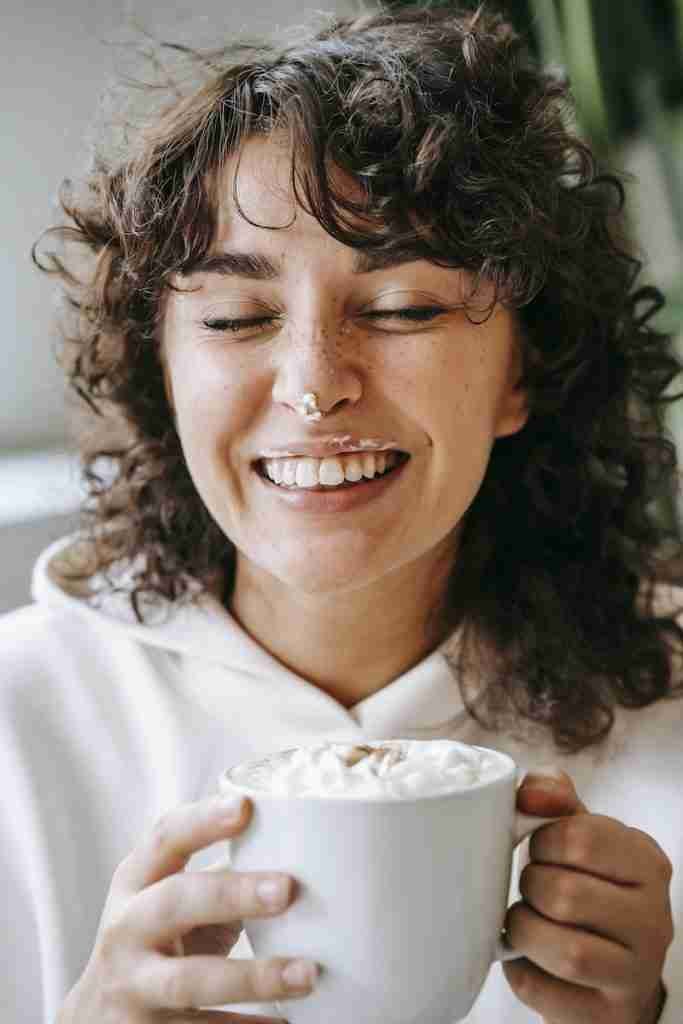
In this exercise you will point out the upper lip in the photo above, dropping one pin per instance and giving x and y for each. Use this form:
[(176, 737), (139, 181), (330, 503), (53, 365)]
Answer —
[(327, 447)]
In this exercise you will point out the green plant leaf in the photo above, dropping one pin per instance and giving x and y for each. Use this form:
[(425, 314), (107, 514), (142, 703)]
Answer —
[(584, 70)]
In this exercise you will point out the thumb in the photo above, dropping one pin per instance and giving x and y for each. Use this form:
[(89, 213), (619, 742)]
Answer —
[(548, 792)]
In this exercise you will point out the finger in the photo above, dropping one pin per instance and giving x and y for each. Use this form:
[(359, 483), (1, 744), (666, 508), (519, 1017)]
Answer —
[(190, 900), (220, 1017), (597, 845), (548, 792), (571, 897), (569, 953), (177, 835), (178, 984), (550, 997)]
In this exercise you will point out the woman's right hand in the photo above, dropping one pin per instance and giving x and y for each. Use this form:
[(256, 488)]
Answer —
[(155, 908)]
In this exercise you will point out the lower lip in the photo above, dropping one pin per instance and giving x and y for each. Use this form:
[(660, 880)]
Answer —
[(335, 500)]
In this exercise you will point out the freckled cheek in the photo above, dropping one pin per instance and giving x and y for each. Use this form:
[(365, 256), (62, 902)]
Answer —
[(213, 411), (434, 388), (459, 421), (199, 410), (199, 383), (471, 394)]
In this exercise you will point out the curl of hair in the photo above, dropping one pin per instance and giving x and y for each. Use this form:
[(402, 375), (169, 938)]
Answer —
[(463, 154)]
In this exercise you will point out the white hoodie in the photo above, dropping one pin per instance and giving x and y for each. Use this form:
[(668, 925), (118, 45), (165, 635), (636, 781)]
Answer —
[(105, 724)]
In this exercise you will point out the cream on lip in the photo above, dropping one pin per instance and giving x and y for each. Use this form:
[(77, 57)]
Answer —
[(334, 445)]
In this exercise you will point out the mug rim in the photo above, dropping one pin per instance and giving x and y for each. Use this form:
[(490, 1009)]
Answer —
[(226, 783)]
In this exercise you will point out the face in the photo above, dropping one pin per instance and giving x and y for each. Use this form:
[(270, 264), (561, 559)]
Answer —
[(393, 360)]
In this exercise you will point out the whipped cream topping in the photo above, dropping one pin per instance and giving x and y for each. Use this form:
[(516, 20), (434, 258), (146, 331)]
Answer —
[(393, 769)]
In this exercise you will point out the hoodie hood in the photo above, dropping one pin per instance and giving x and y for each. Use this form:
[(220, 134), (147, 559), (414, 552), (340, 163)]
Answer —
[(196, 625), (424, 700)]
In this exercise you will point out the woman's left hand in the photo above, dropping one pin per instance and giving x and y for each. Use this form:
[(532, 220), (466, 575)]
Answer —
[(595, 920)]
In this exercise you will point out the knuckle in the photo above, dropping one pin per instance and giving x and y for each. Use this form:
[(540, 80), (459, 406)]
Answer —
[(120, 882), (523, 982), (514, 919), (111, 939), (116, 998), (161, 834), (239, 891), (669, 933), (175, 992), (526, 879), (563, 897), (266, 978), (552, 893), (665, 867), (231, 894), (581, 840), (664, 935), (620, 1006), (657, 932), (171, 895), (575, 960), (174, 989)]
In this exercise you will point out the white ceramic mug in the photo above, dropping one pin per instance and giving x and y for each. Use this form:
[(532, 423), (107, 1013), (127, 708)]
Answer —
[(401, 902)]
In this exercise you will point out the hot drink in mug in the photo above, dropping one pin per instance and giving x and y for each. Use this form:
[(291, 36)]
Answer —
[(402, 850)]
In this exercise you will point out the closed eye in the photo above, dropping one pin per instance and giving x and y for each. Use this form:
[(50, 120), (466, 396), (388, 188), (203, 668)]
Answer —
[(416, 314), (241, 325)]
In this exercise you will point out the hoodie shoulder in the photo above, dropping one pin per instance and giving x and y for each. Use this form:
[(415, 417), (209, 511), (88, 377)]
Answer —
[(196, 625), (37, 642)]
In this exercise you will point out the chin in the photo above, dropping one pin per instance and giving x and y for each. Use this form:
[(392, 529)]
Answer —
[(325, 583)]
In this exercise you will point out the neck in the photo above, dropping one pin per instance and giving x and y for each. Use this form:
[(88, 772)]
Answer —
[(349, 644)]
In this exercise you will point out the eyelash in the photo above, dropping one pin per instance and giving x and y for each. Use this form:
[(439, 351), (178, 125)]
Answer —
[(413, 314)]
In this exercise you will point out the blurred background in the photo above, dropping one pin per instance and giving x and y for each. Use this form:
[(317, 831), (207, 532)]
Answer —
[(625, 62)]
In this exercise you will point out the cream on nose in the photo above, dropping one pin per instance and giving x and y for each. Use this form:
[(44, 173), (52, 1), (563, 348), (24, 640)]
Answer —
[(318, 364)]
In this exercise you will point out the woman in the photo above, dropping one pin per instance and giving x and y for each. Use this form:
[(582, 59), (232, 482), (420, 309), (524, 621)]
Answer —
[(388, 416)]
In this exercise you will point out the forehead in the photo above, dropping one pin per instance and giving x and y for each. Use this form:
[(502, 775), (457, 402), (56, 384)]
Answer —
[(258, 216), (255, 184)]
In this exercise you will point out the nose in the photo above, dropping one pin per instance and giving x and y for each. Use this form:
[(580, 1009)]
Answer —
[(318, 362)]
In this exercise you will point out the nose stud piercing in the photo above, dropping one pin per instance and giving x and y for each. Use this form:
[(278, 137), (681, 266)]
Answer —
[(308, 407)]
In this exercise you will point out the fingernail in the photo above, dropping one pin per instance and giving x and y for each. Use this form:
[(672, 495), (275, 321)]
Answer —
[(299, 975), (547, 777), (274, 892)]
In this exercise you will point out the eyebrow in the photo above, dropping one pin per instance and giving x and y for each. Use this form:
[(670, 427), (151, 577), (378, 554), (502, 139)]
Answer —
[(235, 264), (257, 267)]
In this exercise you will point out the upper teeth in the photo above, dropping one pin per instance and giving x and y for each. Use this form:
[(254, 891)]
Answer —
[(308, 472)]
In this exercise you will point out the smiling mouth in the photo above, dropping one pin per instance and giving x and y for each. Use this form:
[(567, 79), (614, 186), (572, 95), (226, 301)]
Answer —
[(394, 461)]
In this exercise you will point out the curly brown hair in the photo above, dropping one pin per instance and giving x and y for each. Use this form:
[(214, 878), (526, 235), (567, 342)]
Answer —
[(464, 155)]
